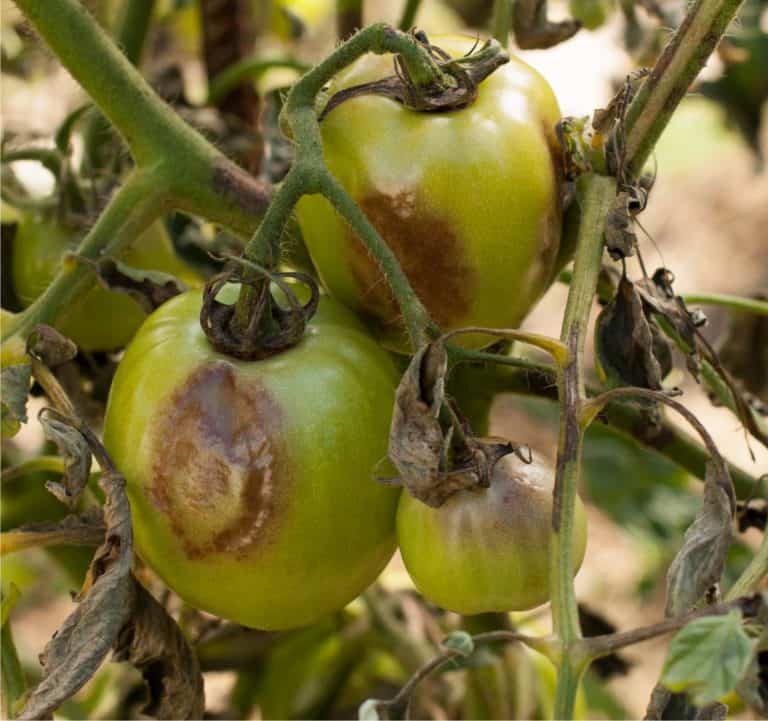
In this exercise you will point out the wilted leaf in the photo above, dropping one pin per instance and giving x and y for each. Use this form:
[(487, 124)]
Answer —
[(86, 530), (753, 688), (629, 346), (620, 238), (149, 288), (153, 642), (699, 564), (50, 346), (85, 638), (461, 642), (77, 458), (14, 387), (707, 658)]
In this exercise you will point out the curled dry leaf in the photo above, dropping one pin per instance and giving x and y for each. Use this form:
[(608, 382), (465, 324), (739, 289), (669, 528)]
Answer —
[(49, 346), (77, 458), (83, 530), (699, 564), (85, 638), (149, 288), (620, 237), (434, 461)]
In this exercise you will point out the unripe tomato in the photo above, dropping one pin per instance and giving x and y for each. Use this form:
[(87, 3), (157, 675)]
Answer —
[(468, 200), (486, 550), (591, 13), (102, 319), (251, 483)]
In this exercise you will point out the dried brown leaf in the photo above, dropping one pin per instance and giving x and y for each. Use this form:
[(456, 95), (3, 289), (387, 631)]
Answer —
[(77, 458)]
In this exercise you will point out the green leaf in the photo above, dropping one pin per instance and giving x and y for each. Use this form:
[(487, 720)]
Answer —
[(14, 387), (708, 658), (461, 642), (369, 710)]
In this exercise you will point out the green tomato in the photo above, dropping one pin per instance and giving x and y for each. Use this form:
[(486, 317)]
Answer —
[(251, 483), (468, 200), (486, 550), (591, 13), (102, 319)]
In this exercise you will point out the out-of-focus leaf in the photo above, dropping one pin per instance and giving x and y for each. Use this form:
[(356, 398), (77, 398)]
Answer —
[(708, 658), (149, 288), (753, 688), (14, 683), (699, 563), (77, 459), (153, 642), (14, 386), (86, 530), (85, 638)]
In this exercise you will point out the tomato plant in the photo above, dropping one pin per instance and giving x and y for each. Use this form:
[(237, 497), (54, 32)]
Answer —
[(488, 549), (102, 319), (469, 200), (256, 475)]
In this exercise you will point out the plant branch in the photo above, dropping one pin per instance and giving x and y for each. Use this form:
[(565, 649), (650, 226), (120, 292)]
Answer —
[(501, 20), (247, 69), (408, 18), (753, 574), (733, 302), (596, 195), (677, 67)]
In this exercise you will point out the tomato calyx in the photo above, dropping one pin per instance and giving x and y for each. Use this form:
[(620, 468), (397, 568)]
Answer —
[(430, 444), (270, 327), (467, 73)]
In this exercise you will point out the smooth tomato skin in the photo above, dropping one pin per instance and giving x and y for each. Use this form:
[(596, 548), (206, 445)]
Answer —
[(251, 483), (101, 320), (468, 200), (486, 550)]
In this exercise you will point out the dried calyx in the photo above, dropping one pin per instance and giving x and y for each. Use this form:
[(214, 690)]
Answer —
[(466, 74), (270, 327)]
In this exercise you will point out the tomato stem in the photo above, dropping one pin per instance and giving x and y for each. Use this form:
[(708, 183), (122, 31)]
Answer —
[(595, 196), (500, 21)]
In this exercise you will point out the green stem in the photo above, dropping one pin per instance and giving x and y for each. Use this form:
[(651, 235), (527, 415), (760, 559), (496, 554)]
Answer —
[(49, 464), (734, 302), (247, 68), (753, 574), (596, 195), (501, 20), (130, 211), (677, 67), (14, 683), (408, 18)]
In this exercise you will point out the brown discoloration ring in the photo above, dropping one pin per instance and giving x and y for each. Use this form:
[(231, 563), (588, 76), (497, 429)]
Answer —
[(218, 472), (552, 224), (429, 252)]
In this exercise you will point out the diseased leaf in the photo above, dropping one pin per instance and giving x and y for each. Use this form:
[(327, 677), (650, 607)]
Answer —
[(620, 237), (14, 387), (630, 348), (153, 642), (50, 346), (77, 459), (85, 530), (699, 564), (708, 658), (149, 288), (753, 688), (85, 638)]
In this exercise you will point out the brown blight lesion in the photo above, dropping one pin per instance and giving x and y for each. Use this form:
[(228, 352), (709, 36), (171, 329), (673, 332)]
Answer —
[(429, 252), (219, 474)]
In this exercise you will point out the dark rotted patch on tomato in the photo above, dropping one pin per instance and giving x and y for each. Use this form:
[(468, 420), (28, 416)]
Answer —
[(429, 252), (551, 228), (219, 474)]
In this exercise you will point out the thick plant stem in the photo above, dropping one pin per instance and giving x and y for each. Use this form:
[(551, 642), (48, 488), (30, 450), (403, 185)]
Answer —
[(596, 195), (677, 67), (132, 209)]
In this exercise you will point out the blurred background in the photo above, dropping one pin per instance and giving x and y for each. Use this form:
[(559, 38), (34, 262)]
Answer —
[(706, 220)]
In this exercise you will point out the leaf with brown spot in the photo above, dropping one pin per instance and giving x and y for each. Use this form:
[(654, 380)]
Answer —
[(620, 237), (153, 642), (85, 638), (14, 388), (149, 288), (699, 564), (77, 459)]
